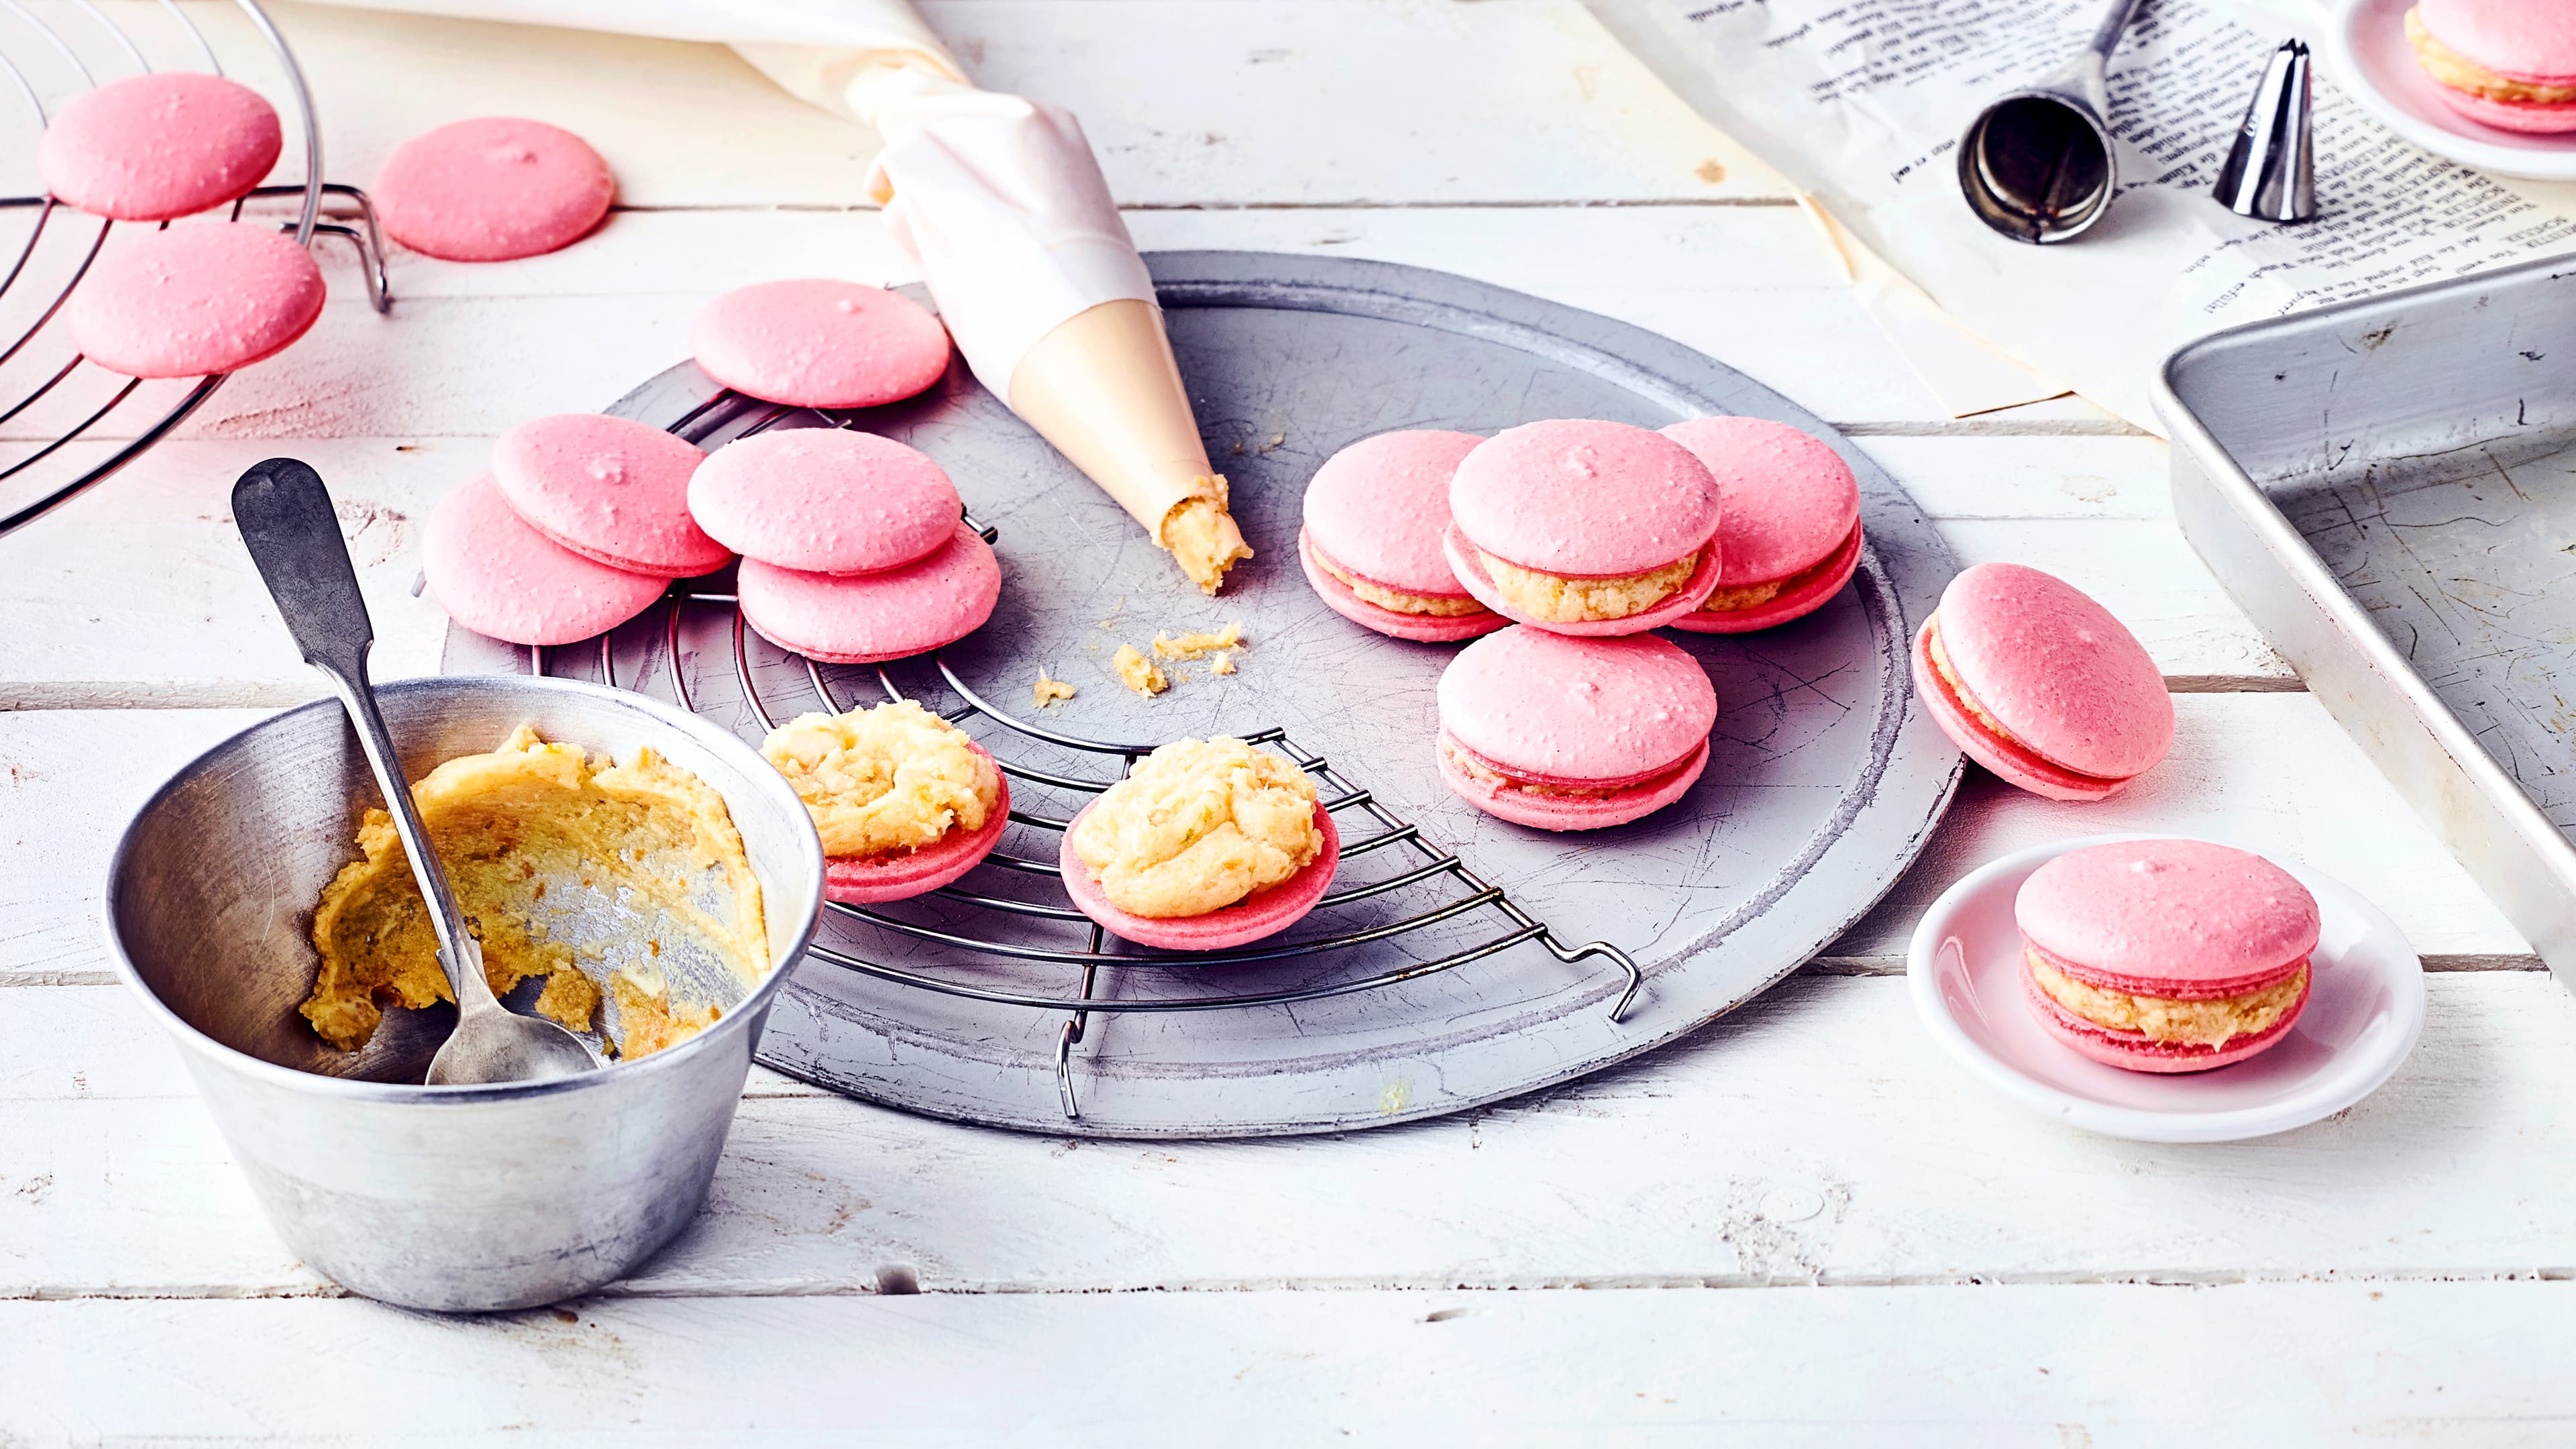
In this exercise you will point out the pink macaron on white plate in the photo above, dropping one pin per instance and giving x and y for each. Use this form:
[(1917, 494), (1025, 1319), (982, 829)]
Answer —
[(2365, 1009), (2368, 58)]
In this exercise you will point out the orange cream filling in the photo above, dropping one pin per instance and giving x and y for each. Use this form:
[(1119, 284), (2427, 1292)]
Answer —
[(2164, 1019), (1564, 599), (1439, 606)]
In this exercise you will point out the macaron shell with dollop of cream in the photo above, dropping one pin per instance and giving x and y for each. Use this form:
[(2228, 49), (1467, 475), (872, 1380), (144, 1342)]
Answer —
[(2187, 919), (1395, 624), (2135, 1051), (610, 489), (866, 880), (2517, 39), (1589, 713), (194, 299), (159, 146), (1583, 498), (871, 618), (825, 500), (2065, 678), (1262, 913), (502, 579), (816, 342), (492, 189), (1378, 508)]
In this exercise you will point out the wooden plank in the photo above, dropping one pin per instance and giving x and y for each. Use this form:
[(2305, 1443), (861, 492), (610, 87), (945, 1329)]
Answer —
[(2094, 1365), (1817, 1136)]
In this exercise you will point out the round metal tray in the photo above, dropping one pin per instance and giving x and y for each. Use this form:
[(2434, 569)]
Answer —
[(1825, 782)]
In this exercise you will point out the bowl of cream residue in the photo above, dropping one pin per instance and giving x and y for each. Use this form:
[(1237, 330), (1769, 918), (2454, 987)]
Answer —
[(478, 1197)]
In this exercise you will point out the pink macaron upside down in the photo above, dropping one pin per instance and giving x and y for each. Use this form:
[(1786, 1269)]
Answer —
[(1563, 733), (2510, 64), (2040, 684), (2166, 955), (1788, 533), (1375, 514), (1584, 527)]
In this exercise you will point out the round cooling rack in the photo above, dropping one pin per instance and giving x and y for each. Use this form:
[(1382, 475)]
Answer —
[(66, 423), (1458, 959)]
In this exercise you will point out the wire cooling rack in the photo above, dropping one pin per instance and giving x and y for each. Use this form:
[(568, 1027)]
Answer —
[(80, 422), (1440, 885)]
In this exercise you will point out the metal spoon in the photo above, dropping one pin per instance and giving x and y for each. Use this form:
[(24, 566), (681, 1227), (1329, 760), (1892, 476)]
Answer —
[(2037, 164), (287, 521)]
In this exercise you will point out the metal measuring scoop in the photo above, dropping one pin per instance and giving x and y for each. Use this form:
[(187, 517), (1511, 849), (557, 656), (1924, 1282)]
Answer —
[(287, 521), (2037, 164)]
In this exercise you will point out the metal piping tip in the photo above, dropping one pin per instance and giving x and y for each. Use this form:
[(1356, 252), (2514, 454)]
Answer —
[(2270, 173)]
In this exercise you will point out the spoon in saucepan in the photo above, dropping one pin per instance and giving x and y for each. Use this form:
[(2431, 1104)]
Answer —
[(293, 534)]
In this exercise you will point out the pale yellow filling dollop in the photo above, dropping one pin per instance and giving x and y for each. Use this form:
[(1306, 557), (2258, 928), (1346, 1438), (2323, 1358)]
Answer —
[(1560, 599), (1197, 826), (1440, 606), (1138, 672), (2455, 71), (1204, 540), (882, 780), (2210, 1023)]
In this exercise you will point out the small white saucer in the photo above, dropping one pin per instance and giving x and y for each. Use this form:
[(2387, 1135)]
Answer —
[(2365, 1009), (2368, 58)]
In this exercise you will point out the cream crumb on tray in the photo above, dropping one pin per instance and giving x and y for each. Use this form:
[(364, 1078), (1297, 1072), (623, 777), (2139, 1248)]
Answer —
[(1198, 826), (1191, 646), (1049, 691), (1138, 672), (892, 778)]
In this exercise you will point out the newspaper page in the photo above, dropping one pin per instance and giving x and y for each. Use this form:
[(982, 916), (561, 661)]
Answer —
[(1862, 104)]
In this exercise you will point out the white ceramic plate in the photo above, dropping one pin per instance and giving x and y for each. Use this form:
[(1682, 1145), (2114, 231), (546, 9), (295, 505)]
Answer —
[(2365, 1009), (2369, 59)]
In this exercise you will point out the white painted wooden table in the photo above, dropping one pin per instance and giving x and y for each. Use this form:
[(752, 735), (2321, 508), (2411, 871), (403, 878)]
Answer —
[(1803, 1223)]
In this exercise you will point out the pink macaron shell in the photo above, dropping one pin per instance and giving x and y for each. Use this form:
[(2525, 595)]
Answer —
[(1469, 567), (1795, 602), (2533, 41), (1584, 498), (825, 501), (193, 300), (2530, 118), (871, 618), (813, 342), (1785, 500), (1420, 628), (866, 880), (160, 146), (502, 579), (610, 489), (1573, 812), (2134, 1051), (2188, 919), (2056, 669), (1581, 712), (1379, 507), (492, 189), (1262, 913), (2008, 760)]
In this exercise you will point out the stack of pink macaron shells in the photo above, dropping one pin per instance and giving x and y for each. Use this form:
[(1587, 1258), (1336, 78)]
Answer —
[(2183, 920), (866, 880), (1788, 514), (613, 490), (1262, 913), (1585, 499), (1377, 511), (1612, 730), (2534, 44), (2052, 692), (498, 576)]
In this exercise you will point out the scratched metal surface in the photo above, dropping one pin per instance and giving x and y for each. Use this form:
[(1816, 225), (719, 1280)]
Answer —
[(1824, 784)]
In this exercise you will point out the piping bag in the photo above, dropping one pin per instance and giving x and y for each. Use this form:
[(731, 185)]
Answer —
[(1001, 201)]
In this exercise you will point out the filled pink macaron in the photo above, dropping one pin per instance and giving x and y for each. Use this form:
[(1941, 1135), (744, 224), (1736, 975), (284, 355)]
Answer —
[(492, 189), (1565, 733), (2040, 684), (610, 489), (870, 618), (1584, 527), (156, 147), (2166, 955), (1262, 913), (864, 880), (500, 578), (1788, 533), (825, 501), (1375, 515), (817, 343), (2510, 64), (192, 300)]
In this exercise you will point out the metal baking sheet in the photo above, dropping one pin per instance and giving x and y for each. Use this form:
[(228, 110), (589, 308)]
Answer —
[(2385, 486), (1826, 779)]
